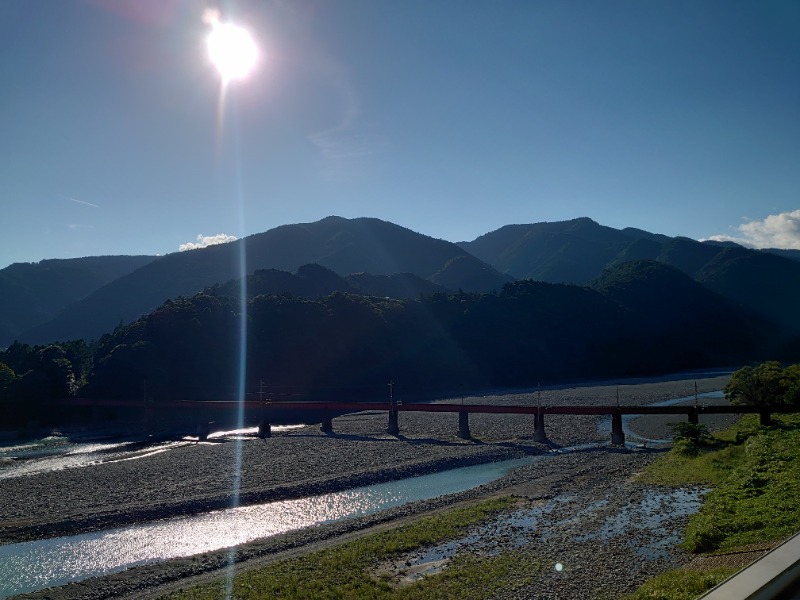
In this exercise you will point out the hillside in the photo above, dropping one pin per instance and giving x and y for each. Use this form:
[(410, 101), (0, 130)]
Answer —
[(705, 326), (343, 245), (573, 251), (578, 251), (33, 293), (313, 281), (643, 318), (378, 258)]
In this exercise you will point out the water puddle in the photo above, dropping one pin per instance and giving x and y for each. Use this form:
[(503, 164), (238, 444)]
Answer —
[(649, 514), (636, 521)]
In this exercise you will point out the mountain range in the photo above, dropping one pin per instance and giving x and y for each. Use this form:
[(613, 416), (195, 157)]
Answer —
[(85, 298)]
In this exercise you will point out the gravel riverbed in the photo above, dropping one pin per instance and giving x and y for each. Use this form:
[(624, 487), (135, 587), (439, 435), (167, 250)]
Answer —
[(192, 478)]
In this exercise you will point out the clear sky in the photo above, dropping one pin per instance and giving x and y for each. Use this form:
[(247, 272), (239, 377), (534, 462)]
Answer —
[(449, 117)]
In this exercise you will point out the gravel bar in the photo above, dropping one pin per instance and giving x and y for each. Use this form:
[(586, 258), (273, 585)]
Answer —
[(195, 478)]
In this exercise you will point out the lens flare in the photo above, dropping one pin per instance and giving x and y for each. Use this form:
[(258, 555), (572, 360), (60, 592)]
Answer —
[(231, 49)]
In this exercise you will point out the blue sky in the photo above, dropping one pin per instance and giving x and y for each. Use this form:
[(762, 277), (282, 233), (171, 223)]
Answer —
[(449, 117)]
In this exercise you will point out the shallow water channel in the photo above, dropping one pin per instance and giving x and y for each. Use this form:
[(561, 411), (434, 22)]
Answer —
[(31, 566), (634, 524)]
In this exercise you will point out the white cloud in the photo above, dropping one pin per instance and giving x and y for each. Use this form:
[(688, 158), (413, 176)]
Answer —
[(776, 231), (207, 240)]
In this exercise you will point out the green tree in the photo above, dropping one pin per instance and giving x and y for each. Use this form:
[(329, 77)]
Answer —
[(767, 383), (792, 378), (7, 375)]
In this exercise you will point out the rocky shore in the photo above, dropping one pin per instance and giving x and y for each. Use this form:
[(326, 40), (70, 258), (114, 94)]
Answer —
[(194, 478)]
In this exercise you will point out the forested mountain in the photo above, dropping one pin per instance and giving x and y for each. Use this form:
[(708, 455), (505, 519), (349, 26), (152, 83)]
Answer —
[(786, 253), (33, 293), (344, 245), (655, 305), (313, 281), (640, 319), (578, 251), (667, 303), (374, 257)]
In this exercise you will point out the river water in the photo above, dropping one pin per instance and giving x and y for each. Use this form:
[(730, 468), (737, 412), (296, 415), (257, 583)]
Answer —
[(31, 566)]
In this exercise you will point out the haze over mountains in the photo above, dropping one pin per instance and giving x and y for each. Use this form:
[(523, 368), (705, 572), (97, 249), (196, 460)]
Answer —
[(85, 298)]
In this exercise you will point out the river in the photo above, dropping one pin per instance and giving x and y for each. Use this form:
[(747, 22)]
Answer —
[(31, 566), (36, 565)]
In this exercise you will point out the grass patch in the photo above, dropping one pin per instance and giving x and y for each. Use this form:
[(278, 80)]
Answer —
[(680, 585), (706, 464), (755, 475), (344, 571), (757, 500)]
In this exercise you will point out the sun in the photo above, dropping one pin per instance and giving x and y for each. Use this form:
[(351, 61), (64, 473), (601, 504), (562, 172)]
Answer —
[(231, 49)]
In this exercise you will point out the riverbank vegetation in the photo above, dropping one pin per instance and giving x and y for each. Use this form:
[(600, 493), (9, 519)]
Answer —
[(348, 570), (755, 475)]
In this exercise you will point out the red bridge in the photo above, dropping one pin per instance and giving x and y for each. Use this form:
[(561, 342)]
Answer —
[(328, 409)]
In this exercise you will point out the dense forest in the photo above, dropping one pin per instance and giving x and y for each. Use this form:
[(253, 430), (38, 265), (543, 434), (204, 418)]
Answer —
[(637, 319)]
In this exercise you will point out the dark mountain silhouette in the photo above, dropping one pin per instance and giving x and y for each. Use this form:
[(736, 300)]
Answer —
[(33, 293), (641, 318), (704, 326), (398, 285), (377, 258), (342, 245), (314, 281), (578, 251), (565, 252), (785, 253)]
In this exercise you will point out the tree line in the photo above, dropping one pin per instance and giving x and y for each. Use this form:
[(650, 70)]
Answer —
[(348, 347)]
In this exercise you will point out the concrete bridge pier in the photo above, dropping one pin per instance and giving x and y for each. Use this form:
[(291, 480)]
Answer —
[(202, 431), (617, 433), (394, 425), (327, 424), (539, 434), (463, 425), (264, 428)]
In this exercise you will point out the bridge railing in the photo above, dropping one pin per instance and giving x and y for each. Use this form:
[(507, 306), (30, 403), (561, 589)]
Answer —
[(326, 410)]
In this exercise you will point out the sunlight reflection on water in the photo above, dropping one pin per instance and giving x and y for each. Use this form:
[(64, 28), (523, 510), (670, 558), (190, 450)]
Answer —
[(35, 565)]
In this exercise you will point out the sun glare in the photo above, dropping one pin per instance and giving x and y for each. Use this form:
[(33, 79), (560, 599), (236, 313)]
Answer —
[(231, 49)]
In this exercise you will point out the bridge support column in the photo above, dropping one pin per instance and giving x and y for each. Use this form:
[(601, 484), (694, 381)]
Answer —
[(539, 434), (617, 433), (264, 426), (327, 424), (394, 425), (764, 418), (694, 418), (202, 431), (463, 425)]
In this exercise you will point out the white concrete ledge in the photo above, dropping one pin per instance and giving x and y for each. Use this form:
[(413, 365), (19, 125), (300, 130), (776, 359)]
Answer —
[(764, 579)]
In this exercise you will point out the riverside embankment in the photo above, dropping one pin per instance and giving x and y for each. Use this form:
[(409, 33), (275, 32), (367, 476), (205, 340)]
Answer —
[(194, 478)]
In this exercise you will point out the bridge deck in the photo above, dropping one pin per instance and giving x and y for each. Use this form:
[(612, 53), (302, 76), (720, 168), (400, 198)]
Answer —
[(624, 409)]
